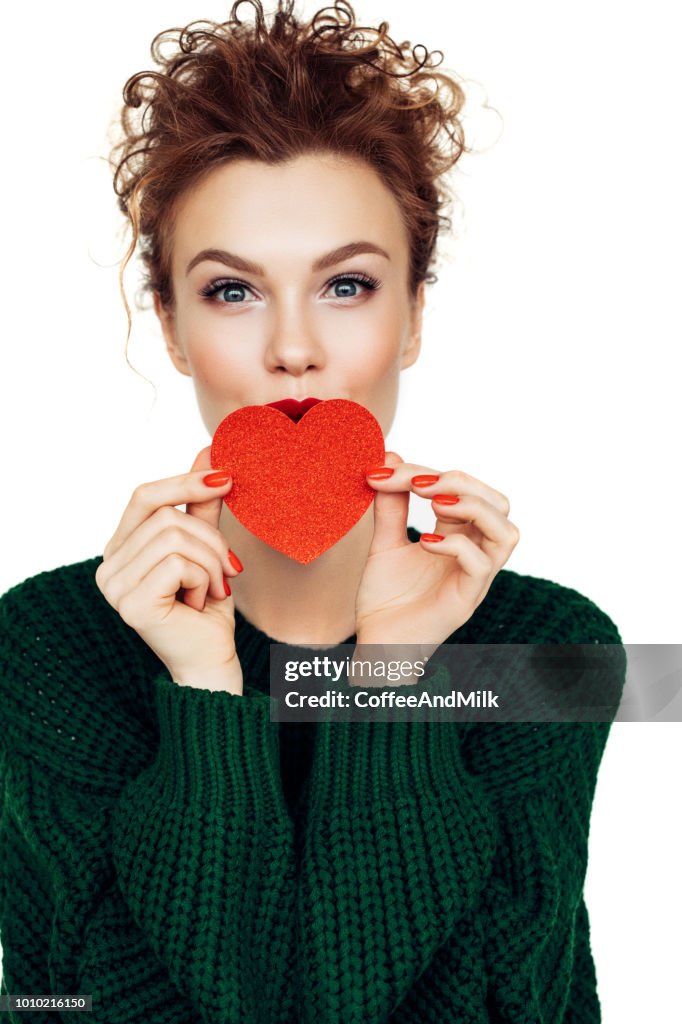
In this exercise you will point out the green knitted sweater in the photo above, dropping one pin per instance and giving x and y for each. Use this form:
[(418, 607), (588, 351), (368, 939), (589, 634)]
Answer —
[(175, 854)]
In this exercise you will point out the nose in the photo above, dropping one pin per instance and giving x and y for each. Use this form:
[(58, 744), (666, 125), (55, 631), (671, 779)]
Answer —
[(294, 345)]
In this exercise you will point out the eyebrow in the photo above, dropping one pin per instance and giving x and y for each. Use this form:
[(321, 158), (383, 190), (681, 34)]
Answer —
[(230, 259)]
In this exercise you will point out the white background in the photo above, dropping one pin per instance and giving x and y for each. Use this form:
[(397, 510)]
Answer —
[(546, 368)]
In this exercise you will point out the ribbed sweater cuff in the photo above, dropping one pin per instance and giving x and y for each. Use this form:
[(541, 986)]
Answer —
[(214, 743), (203, 848), (410, 755), (414, 758)]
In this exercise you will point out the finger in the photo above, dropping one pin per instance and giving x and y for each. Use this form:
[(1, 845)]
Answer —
[(139, 607), (453, 481), (496, 529), (173, 525), (390, 514), (208, 510), (149, 497), (475, 566), (162, 549), (457, 482), (400, 478)]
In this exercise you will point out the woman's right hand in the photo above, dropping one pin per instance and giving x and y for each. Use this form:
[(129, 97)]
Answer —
[(157, 550)]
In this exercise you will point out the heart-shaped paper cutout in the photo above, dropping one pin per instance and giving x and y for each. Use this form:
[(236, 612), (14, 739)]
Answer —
[(300, 487)]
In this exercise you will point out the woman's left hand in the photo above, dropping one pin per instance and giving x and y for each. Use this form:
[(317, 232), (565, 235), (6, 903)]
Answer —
[(421, 593)]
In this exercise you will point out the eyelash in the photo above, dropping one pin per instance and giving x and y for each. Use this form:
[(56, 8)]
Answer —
[(212, 289)]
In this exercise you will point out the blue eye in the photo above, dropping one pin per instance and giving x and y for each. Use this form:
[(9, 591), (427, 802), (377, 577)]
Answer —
[(225, 287), (229, 290), (369, 283)]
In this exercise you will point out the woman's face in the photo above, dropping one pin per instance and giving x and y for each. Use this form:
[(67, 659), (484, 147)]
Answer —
[(267, 306)]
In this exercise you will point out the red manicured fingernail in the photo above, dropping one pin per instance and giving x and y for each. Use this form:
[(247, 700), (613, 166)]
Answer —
[(380, 472), (227, 586), (216, 479), (426, 480), (446, 499), (431, 538), (236, 564)]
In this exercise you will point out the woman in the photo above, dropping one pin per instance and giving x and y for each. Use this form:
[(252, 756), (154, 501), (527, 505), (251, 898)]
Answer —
[(166, 848)]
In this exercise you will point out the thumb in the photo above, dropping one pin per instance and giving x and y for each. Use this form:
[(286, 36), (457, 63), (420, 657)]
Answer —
[(210, 509), (390, 514)]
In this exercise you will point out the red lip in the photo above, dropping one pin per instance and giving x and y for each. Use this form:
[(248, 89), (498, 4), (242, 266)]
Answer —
[(294, 409)]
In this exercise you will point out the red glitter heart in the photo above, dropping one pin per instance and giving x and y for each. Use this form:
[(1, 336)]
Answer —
[(300, 487)]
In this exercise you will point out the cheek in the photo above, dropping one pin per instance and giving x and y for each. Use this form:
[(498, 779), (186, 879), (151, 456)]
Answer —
[(210, 362), (375, 353), (380, 366), (213, 358)]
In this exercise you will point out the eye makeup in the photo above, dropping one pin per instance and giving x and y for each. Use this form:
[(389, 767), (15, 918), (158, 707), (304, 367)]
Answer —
[(213, 288)]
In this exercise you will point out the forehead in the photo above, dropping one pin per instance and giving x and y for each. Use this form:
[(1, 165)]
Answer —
[(317, 195)]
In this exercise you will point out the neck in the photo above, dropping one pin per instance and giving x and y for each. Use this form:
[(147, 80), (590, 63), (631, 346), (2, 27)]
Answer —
[(294, 603)]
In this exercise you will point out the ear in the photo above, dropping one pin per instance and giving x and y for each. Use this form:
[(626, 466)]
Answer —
[(413, 347), (167, 321)]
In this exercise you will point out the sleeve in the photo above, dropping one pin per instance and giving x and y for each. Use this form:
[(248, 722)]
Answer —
[(157, 877), (524, 956), (203, 849), (540, 780), (444, 868)]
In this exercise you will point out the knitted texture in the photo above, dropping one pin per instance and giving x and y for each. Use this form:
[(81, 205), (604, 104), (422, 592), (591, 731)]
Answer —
[(175, 854)]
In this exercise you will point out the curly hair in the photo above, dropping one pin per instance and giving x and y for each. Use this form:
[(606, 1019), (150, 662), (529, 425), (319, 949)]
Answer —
[(239, 90)]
